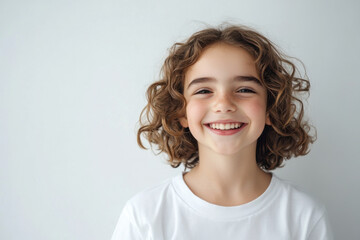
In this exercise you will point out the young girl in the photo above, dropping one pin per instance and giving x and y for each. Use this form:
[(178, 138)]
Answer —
[(226, 108)]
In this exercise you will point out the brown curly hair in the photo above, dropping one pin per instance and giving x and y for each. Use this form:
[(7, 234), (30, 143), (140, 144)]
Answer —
[(289, 134)]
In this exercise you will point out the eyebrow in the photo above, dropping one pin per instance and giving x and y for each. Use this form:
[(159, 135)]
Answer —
[(237, 78)]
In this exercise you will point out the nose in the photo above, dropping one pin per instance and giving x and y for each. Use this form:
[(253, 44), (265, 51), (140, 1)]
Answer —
[(224, 103)]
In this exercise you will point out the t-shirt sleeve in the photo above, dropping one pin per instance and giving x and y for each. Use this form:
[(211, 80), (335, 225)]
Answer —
[(126, 227), (321, 229)]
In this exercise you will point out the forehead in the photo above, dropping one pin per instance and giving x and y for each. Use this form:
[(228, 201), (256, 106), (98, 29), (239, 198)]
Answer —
[(222, 60)]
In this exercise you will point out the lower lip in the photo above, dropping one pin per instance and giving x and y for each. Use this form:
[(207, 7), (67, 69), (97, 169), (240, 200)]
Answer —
[(226, 132)]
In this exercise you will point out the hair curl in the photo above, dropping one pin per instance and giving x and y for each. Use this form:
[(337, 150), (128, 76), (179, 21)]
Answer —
[(289, 134)]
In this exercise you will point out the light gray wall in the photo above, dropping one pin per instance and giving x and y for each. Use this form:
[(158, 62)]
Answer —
[(72, 80)]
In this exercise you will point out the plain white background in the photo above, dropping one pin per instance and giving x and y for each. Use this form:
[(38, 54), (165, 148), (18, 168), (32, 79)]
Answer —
[(73, 76)]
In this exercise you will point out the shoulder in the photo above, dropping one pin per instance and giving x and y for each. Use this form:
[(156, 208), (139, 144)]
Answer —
[(299, 202), (148, 200), (139, 210), (305, 213)]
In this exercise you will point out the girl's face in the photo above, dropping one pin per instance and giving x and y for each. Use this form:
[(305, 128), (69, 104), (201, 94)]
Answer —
[(226, 104)]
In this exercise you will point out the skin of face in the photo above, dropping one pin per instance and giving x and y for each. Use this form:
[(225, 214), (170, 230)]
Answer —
[(222, 87)]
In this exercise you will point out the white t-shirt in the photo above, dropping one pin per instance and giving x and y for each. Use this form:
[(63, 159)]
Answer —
[(172, 211)]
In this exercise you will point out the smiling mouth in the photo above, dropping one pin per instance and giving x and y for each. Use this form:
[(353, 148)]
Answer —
[(225, 126)]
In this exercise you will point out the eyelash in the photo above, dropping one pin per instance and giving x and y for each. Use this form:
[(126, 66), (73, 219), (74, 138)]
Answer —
[(205, 91), (248, 90)]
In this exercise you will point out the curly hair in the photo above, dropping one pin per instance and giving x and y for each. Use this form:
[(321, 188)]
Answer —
[(289, 134)]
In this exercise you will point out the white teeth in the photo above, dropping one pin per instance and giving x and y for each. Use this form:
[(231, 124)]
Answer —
[(225, 126)]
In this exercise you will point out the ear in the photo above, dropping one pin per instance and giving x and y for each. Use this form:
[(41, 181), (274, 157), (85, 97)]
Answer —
[(184, 122), (267, 120)]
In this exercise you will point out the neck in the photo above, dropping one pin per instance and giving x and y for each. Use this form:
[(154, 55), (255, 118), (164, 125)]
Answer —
[(227, 179)]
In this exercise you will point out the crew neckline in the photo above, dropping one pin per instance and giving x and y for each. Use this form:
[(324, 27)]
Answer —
[(224, 213)]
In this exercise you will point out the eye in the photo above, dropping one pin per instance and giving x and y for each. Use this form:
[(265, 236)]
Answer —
[(203, 91), (245, 90)]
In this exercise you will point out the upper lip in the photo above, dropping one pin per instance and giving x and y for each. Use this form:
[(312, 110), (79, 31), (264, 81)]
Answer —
[(224, 121)]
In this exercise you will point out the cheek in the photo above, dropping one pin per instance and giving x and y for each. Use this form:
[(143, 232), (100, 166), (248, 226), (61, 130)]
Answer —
[(195, 113), (256, 109), (193, 110)]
